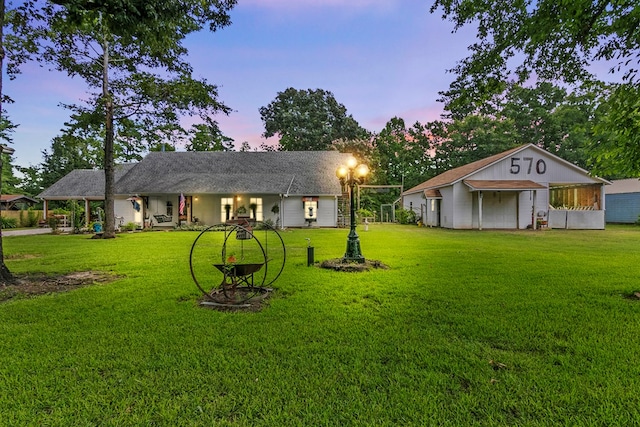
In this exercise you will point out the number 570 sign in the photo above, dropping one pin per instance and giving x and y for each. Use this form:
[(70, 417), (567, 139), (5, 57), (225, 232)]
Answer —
[(526, 165)]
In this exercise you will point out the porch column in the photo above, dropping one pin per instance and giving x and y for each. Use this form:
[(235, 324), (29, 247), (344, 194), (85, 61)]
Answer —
[(480, 210), (601, 205), (45, 207), (533, 209), (87, 213), (518, 210)]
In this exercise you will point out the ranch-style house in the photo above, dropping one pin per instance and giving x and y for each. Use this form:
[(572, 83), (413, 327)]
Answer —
[(165, 189)]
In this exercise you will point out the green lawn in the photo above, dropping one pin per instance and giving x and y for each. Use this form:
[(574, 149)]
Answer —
[(465, 328)]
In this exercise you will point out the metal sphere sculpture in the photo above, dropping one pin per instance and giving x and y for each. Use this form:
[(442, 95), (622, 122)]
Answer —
[(235, 262)]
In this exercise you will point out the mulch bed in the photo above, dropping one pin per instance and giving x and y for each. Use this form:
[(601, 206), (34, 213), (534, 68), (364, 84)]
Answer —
[(31, 285), (338, 265)]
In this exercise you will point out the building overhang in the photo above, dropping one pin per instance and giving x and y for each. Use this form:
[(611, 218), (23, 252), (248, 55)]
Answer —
[(432, 193), (502, 185)]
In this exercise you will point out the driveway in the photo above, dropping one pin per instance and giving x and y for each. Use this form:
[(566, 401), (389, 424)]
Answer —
[(31, 231)]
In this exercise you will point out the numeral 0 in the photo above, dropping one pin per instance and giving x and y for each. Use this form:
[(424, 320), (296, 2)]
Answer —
[(541, 167)]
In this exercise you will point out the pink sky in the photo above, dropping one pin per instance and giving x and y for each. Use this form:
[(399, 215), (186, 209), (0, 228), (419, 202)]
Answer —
[(380, 58)]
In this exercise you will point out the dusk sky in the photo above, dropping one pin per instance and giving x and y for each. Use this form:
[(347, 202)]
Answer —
[(380, 58)]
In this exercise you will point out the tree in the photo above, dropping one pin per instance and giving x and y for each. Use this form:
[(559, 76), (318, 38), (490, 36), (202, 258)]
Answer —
[(403, 154), (308, 120), (361, 148), (553, 119), (556, 41), (473, 138), (616, 146), (31, 182), (9, 181), (17, 44), (208, 137), (69, 151), (131, 55)]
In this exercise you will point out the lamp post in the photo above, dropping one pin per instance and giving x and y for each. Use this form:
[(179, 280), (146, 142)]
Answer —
[(5, 274), (351, 175)]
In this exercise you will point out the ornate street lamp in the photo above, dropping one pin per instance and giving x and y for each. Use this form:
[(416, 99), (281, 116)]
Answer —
[(351, 175)]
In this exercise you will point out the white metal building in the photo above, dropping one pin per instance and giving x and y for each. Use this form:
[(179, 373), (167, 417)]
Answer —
[(525, 187)]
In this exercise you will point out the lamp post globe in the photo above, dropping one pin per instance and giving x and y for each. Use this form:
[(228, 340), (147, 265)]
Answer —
[(350, 175)]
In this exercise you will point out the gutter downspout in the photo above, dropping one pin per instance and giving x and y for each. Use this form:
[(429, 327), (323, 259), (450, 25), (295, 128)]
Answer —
[(282, 203), (290, 184), (281, 213)]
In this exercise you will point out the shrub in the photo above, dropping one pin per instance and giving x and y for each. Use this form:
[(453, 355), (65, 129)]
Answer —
[(9, 222), (53, 223), (364, 213), (130, 226), (266, 224), (33, 218), (406, 216)]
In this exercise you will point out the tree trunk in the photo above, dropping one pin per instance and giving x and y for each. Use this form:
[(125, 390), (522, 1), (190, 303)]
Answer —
[(109, 175), (5, 274)]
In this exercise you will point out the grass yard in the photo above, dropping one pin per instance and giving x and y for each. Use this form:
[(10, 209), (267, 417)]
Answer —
[(465, 328)]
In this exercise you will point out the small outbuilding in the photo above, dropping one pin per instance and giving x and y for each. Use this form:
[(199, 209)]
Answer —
[(16, 202), (525, 187), (623, 201)]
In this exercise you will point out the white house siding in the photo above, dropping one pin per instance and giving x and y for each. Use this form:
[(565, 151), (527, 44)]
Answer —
[(124, 210), (294, 213), (207, 209), (543, 168), (578, 220), (327, 212), (462, 206), (432, 212), (447, 207), (413, 201), (498, 209)]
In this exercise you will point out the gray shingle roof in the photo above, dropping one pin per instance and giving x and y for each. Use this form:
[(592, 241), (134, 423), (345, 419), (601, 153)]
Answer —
[(82, 183), (280, 172), (298, 172)]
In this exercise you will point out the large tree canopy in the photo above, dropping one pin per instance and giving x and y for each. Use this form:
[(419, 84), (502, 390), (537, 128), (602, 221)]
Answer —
[(554, 40), (307, 120)]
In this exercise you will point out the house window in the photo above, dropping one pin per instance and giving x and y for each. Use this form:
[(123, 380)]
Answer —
[(258, 202), (226, 208)]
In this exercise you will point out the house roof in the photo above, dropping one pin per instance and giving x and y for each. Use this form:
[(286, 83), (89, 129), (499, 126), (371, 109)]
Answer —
[(82, 183), (502, 185), (9, 198), (621, 186), (230, 172), (456, 174), (460, 173), (269, 172), (432, 193)]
